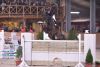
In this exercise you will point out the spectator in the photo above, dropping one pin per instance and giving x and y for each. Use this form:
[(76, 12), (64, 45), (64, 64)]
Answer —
[(23, 29), (31, 29)]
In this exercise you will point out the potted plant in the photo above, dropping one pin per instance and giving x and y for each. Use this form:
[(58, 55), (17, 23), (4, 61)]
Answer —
[(89, 59), (97, 63), (18, 55)]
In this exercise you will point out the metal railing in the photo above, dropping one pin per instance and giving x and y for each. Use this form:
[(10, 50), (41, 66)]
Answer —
[(26, 10)]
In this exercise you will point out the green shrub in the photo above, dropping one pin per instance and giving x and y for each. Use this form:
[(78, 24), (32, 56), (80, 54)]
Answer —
[(40, 36), (72, 35), (89, 57), (19, 52)]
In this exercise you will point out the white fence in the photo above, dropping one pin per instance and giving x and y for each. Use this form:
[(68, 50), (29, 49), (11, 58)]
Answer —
[(43, 52), (1, 42)]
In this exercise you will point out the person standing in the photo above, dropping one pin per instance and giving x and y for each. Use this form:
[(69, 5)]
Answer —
[(23, 29)]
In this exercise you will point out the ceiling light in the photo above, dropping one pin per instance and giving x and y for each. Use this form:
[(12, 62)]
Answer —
[(75, 12)]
